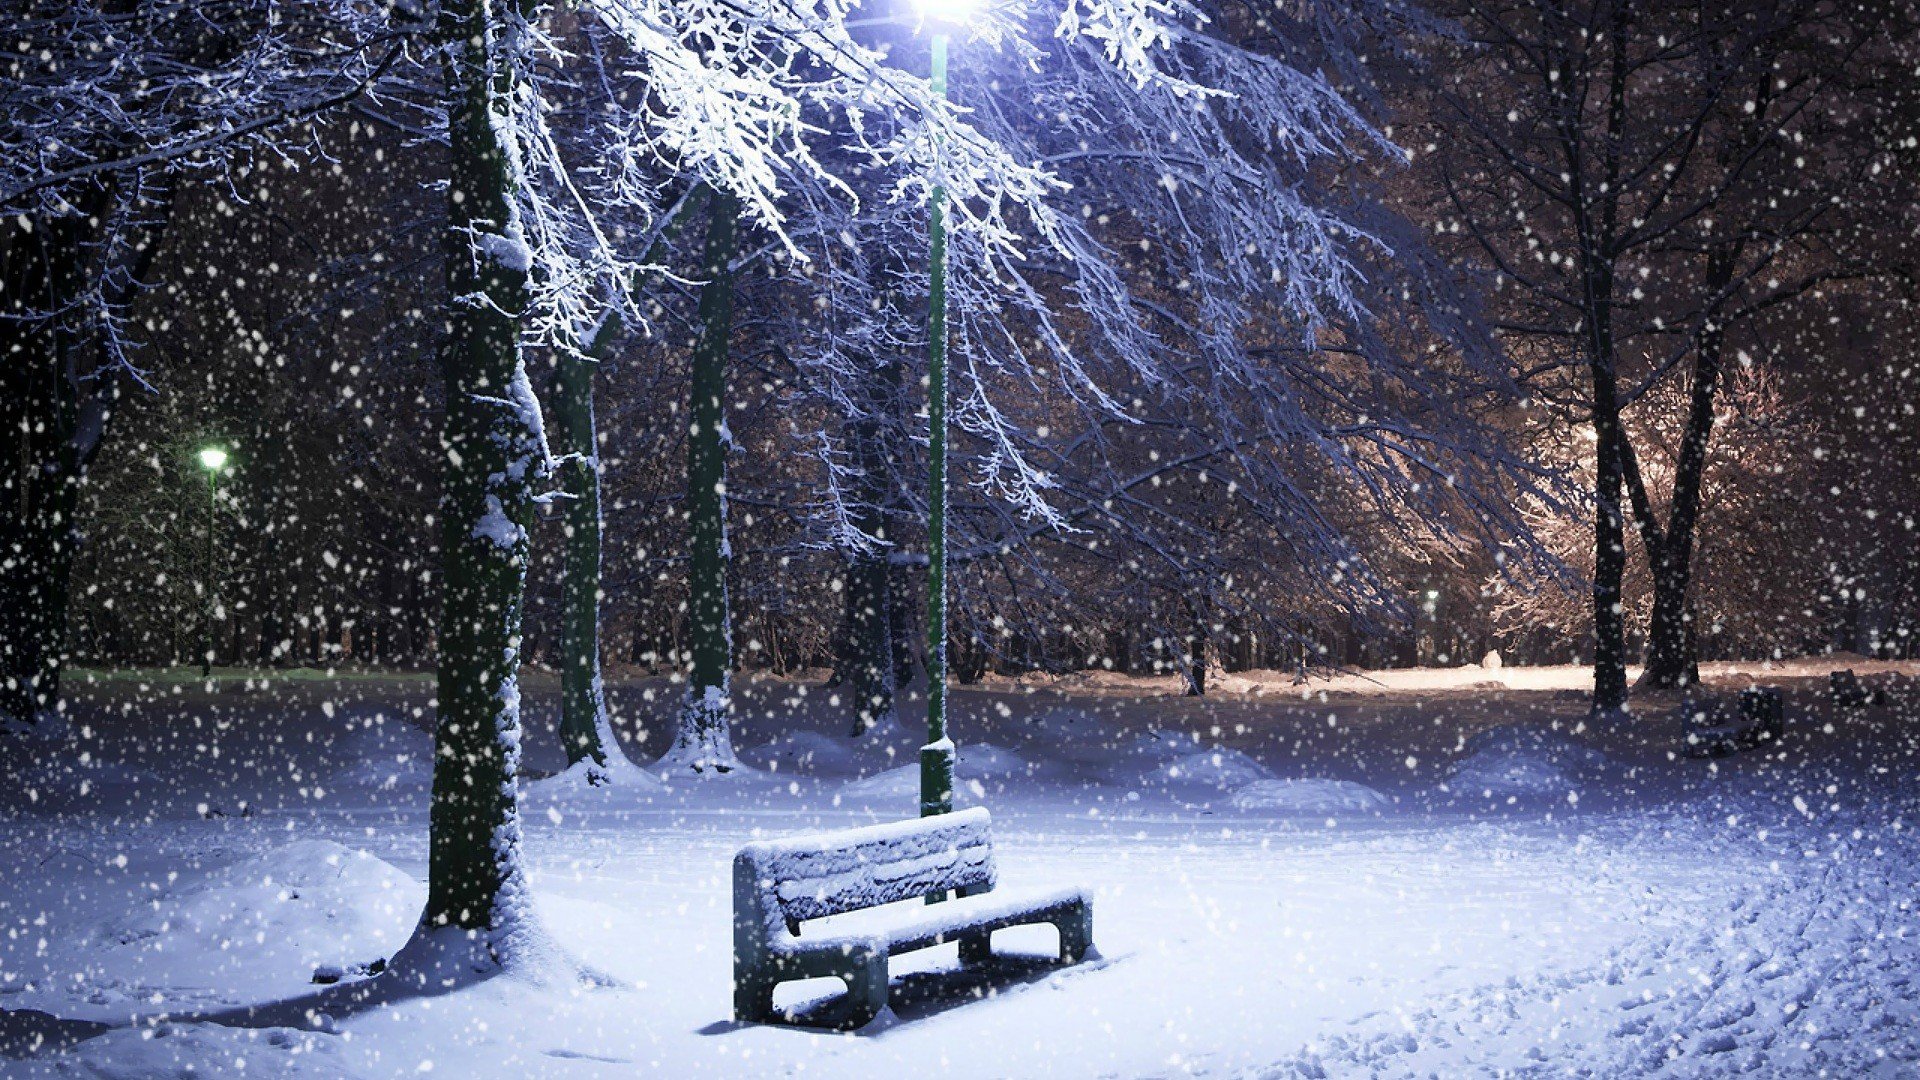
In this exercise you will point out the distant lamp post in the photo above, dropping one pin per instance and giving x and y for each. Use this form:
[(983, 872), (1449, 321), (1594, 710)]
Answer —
[(212, 459), (937, 756)]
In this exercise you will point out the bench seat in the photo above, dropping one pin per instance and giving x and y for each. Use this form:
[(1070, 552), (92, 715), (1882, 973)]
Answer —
[(950, 920)]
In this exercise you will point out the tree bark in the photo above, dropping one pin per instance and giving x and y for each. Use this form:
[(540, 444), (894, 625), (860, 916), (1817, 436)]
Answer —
[(1609, 545), (869, 638), (1196, 654), (585, 731), (1609, 567), (57, 393), (1596, 238), (702, 743), (493, 456), (1672, 659), (872, 611)]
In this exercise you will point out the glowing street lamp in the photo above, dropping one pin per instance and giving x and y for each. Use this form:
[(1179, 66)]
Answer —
[(937, 756), (945, 14), (213, 459)]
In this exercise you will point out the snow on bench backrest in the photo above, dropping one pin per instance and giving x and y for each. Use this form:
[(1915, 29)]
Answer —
[(812, 877)]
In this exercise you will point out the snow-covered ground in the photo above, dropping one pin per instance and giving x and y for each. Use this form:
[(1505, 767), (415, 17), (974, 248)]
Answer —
[(1412, 873)]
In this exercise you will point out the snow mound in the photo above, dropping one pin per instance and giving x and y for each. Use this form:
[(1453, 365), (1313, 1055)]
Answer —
[(1219, 767), (389, 756), (804, 752), (902, 782), (1519, 759), (62, 777), (1159, 746), (708, 762), (436, 959), (886, 746), (892, 739), (1063, 724), (263, 924), (979, 763), (1082, 739), (192, 1050), (985, 761), (1309, 796), (1508, 738), (582, 783)]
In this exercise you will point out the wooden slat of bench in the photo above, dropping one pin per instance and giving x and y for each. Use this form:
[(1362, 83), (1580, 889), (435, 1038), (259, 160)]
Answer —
[(979, 914), (918, 928), (829, 874)]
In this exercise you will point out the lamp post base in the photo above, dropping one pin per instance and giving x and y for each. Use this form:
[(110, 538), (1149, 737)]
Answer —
[(936, 778)]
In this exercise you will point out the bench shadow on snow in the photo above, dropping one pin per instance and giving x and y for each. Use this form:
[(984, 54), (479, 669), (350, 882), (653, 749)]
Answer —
[(922, 995)]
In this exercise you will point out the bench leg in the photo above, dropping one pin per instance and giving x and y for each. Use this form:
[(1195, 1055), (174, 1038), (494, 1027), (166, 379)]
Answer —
[(866, 989), (1076, 932), (976, 948), (752, 998)]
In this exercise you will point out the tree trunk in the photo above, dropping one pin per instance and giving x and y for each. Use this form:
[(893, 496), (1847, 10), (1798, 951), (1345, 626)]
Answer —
[(55, 401), (1672, 660), (969, 659), (1196, 658), (477, 902), (1609, 521), (1120, 649), (585, 731), (702, 743), (869, 637), (873, 613), (1609, 549), (1596, 215), (901, 624)]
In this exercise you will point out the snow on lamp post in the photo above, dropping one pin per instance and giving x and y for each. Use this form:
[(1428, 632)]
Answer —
[(937, 756), (212, 459)]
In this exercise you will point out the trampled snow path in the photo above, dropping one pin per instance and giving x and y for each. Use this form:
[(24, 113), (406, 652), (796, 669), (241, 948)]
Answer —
[(1755, 924), (1805, 969)]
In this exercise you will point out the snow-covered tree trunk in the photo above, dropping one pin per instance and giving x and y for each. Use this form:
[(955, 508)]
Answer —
[(870, 660), (1609, 556), (585, 731), (869, 637), (702, 744), (40, 263), (1194, 656), (1609, 519), (477, 910), (1595, 215), (57, 392)]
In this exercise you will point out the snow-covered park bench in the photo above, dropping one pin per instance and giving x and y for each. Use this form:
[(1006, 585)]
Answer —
[(1846, 690), (1757, 719), (778, 885)]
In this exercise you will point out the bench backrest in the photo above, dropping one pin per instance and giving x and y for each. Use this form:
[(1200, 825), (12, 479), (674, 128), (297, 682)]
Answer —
[(812, 877)]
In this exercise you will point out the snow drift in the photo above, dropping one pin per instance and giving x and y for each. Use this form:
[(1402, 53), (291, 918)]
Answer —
[(1524, 760), (1220, 767), (1309, 796), (256, 928)]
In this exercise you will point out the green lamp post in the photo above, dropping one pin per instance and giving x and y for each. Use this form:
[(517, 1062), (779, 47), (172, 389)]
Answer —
[(937, 756), (212, 459)]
